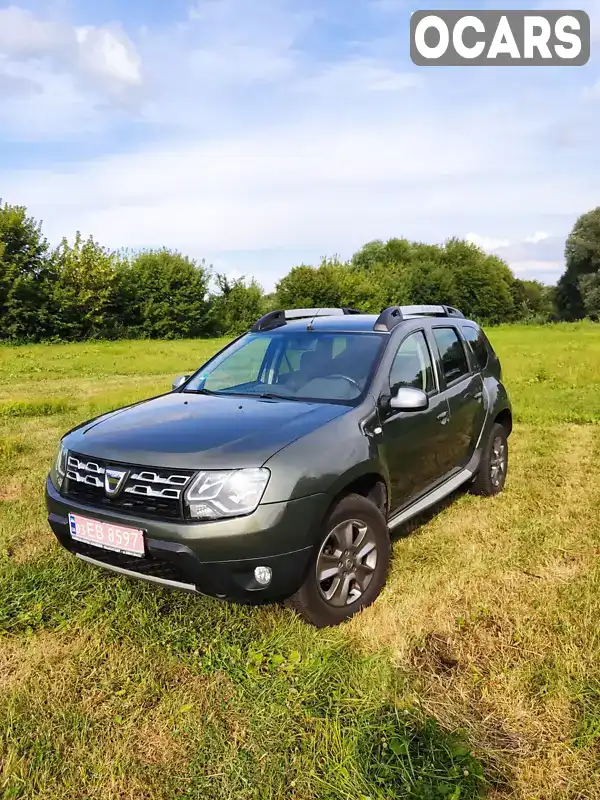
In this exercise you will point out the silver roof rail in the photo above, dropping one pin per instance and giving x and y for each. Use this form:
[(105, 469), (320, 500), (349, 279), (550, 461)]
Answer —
[(430, 311), (394, 315), (305, 313), (275, 319)]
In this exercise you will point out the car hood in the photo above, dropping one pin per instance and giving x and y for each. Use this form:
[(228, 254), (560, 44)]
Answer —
[(194, 431)]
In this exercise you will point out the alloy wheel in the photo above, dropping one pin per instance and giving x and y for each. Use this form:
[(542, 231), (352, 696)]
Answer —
[(346, 562), (498, 461)]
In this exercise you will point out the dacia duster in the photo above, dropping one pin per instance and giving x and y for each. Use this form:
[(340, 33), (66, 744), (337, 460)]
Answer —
[(278, 470)]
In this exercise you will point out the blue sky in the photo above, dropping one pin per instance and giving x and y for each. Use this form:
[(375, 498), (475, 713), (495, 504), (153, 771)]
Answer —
[(259, 134)]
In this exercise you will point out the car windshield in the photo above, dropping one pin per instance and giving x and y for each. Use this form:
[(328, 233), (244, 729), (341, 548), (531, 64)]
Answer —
[(306, 365)]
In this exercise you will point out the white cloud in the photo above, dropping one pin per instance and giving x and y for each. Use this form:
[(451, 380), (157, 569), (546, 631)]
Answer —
[(537, 256), (53, 105), (536, 237), (486, 242), (532, 266), (24, 35), (55, 78), (16, 86), (545, 271), (98, 50), (109, 53)]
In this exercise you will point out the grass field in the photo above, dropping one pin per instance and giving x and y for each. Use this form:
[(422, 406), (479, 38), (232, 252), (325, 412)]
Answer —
[(476, 672)]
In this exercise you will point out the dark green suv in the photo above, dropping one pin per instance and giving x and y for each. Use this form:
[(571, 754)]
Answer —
[(278, 469)]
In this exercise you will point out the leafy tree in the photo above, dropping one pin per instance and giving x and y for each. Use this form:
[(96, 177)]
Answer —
[(331, 284), (432, 283), (457, 273), (384, 285), (401, 251), (385, 274), (84, 289), (161, 294), (237, 306), (299, 288), (483, 283), (371, 254), (392, 252), (26, 277), (270, 302), (582, 257), (589, 286), (533, 300)]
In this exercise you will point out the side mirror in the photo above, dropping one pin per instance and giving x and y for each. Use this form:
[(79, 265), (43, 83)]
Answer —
[(179, 381), (409, 399)]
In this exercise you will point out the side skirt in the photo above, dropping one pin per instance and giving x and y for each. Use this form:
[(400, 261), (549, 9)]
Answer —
[(435, 496)]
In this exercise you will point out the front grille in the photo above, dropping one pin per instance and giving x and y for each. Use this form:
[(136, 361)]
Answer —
[(156, 567), (153, 492)]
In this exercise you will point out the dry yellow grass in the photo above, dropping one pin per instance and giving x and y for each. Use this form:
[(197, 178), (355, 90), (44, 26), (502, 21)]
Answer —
[(475, 606)]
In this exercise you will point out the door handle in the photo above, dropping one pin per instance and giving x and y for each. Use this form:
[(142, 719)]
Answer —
[(443, 417), (478, 395)]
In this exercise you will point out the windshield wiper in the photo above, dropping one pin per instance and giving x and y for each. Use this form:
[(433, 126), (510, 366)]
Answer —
[(273, 396), (228, 393)]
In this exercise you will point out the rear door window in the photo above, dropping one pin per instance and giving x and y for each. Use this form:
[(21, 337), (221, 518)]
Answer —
[(476, 339), (452, 353)]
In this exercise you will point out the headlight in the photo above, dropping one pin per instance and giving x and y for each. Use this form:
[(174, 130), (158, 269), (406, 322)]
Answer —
[(59, 467), (226, 493)]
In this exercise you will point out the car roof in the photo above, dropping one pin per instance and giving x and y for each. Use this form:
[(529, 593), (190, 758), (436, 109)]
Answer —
[(356, 323)]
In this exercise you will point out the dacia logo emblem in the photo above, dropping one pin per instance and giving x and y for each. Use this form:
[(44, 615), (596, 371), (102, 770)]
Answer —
[(113, 480)]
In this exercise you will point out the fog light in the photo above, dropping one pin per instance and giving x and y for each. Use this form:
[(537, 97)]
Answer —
[(263, 575)]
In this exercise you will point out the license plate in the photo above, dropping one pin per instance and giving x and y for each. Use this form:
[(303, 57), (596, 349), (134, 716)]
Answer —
[(107, 535)]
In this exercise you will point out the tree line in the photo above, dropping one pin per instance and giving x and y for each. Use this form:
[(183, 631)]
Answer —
[(81, 290)]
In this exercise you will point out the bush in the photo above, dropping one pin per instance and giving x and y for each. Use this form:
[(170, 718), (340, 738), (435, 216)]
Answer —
[(236, 307), (26, 278), (160, 294), (84, 290)]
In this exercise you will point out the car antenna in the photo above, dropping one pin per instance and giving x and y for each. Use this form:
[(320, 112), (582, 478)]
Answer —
[(309, 327)]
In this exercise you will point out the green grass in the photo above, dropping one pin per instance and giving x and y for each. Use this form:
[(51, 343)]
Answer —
[(477, 671), (553, 371)]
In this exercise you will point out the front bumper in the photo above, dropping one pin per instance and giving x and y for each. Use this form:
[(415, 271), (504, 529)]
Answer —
[(215, 558)]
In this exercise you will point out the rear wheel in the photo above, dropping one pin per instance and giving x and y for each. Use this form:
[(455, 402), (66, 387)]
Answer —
[(491, 477), (349, 566)]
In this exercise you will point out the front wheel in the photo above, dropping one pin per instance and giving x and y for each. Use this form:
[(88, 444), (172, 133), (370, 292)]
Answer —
[(491, 476), (349, 566)]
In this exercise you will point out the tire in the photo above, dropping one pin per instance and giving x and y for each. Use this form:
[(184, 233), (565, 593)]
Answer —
[(491, 477), (356, 580)]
